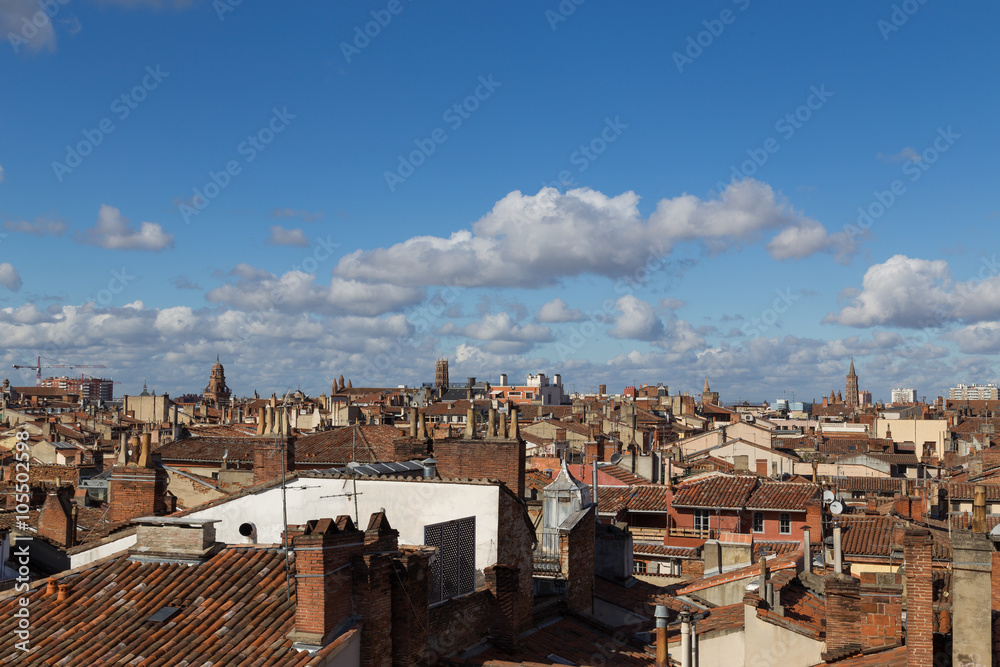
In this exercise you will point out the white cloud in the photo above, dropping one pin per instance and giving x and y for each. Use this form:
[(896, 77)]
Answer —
[(980, 338), (9, 277), (808, 238), (908, 153), (114, 232), (915, 293), (25, 25), (556, 311), (282, 236), (38, 226), (536, 240), (637, 320), (297, 291), (499, 327)]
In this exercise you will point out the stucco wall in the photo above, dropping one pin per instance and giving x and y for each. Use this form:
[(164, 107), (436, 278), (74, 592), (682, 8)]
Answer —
[(409, 506), (769, 645)]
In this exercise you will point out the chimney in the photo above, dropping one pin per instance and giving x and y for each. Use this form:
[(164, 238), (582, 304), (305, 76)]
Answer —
[(63, 593), (472, 382), (470, 423), (917, 545), (56, 519), (271, 459), (806, 551), (514, 432), (51, 586), (814, 519), (145, 451), (501, 427), (979, 509), (182, 540), (971, 595), (413, 421), (324, 552), (843, 615), (762, 589), (422, 426), (662, 655), (491, 423), (685, 637), (838, 556)]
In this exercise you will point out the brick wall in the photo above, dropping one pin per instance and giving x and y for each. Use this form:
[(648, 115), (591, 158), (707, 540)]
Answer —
[(267, 457), (919, 615), (135, 492), (482, 459), (843, 614), (55, 521), (693, 568), (514, 549), (576, 556), (323, 585), (457, 624), (410, 592), (995, 582), (502, 581), (881, 609), (190, 540)]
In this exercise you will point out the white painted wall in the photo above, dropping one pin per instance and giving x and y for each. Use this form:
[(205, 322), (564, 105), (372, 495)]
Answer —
[(409, 506), (98, 552)]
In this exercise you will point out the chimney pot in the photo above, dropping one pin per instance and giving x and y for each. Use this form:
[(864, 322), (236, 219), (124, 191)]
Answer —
[(63, 592), (50, 587)]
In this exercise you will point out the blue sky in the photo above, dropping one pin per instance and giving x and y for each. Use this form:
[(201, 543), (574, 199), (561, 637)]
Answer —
[(623, 194)]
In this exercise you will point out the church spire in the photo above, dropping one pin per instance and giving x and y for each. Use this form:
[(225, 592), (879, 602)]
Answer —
[(851, 372)]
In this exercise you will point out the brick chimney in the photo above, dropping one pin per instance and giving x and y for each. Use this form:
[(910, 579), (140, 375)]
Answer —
[(268, 456), (814, 519), (502, 580), (372, 590), (917, 545), (174, 540), (324, 552), (57, 520), (843, 615), (138, 486), (881, 609)]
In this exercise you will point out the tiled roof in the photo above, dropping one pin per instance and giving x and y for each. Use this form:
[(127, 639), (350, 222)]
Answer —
[(893, 657), (965, 491), (877, 484), (612, 499), (209, 450), (648, 498), (232, 611), (719, 491), (782, 496), (622, 475), (640, 548), (362, 443), (537, 479), (866, 535), (776, 547)]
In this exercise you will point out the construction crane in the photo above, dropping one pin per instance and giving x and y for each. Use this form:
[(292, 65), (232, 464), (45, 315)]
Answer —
[(38, 368)]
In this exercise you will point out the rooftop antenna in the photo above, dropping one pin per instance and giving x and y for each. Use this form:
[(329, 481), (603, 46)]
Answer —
[(283, 444)]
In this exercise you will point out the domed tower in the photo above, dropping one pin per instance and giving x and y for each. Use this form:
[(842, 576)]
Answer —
[(217, 393)]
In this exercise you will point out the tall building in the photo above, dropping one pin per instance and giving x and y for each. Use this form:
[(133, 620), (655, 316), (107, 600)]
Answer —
[(441, 374), (86, 387), (217, 393), (852, 387), (904, 395), (974, 392)]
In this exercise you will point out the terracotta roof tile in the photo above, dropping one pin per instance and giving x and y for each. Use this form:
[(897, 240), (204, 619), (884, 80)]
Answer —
[(782, 496), (718, 491)]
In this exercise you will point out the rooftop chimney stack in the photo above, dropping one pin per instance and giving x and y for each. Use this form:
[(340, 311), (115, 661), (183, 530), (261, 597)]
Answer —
[(917, 545), (838, 557), (662, 655), (806, 551), (413, 421), (470, 423), (685, 637), (979, 509), (514, 431)]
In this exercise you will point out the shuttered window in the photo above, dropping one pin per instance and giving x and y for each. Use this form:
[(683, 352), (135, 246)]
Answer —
[(454, 570)]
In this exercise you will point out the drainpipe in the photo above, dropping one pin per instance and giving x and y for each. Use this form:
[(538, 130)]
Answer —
[(806, 551)]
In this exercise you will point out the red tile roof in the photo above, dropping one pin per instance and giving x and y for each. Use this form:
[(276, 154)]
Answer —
[(232, 611), (782, 496), (720, 491), (662, 551), (648, 498)]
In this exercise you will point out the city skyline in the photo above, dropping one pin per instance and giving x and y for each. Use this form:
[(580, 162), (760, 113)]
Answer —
[(749, 193)]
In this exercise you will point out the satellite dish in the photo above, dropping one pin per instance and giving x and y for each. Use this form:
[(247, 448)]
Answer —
[(836, 507), (615, 458), (828, 497), (785, 477)]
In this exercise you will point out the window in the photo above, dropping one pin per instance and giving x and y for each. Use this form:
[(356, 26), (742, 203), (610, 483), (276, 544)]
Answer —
[(639, 567), (453, 572), (758, 522), (785, 523), (701, 519)]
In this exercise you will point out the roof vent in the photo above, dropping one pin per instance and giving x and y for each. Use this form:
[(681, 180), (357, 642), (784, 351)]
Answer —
[(164, 615)]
